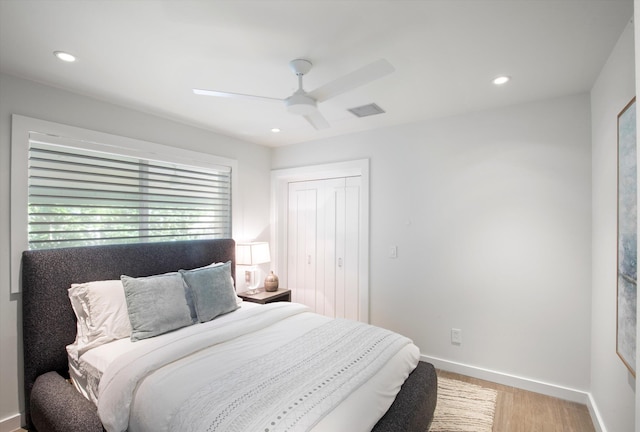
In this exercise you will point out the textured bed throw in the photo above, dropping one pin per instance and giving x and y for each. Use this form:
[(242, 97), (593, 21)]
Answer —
[(463, 407), (306, 379), (294, 386)]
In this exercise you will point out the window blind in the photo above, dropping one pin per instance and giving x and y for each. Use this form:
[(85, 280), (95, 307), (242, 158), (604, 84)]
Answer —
[(81, 197)]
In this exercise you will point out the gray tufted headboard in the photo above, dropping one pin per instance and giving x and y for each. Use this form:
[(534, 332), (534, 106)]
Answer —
[(49, 323)]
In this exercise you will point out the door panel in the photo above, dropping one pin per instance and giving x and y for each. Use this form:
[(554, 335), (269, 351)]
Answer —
[(302, 226), (323, 236), (351, 248)]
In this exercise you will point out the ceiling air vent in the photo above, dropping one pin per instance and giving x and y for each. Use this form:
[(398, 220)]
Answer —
[(366, 110)]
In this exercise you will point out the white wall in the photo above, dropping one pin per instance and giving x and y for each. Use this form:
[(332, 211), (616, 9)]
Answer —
[(612, 386), (491, 213), (18, 96)]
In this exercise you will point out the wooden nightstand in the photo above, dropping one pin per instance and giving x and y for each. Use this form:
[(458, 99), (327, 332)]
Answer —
[(264, 297)]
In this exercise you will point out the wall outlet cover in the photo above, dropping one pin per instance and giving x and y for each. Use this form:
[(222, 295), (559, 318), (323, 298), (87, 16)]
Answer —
[(456, 336)]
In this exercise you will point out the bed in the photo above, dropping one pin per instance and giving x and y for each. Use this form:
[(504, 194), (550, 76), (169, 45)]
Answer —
[(50, 325)]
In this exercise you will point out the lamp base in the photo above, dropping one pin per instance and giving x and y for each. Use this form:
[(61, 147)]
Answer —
[(249, 280)]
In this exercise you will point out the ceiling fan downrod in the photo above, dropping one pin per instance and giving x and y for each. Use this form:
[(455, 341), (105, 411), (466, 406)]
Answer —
[(299, 102)]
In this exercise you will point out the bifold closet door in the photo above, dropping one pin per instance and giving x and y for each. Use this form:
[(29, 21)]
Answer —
[(323, 236)]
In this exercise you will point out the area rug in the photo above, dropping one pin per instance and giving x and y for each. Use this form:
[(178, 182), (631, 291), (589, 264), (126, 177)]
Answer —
[(463, 407)]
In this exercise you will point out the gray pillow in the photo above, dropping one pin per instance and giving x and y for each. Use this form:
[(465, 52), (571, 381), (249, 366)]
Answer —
[(156, 304), (212, 290)]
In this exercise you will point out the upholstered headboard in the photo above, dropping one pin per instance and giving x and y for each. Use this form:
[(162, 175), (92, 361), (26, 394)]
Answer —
[(49, 323)]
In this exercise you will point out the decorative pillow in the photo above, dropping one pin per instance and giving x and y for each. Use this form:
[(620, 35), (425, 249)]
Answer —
[(212, 290), (156, 304), (101, 310), (190, 302)]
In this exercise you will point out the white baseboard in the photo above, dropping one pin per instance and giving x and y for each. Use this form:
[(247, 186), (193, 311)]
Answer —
[(528, 384), (596, 418), (11, 424)]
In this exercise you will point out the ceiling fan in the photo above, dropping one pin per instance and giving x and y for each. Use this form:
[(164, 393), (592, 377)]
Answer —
[(305, 103)]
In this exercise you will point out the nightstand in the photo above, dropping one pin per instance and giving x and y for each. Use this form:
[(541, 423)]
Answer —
[(264, 297)]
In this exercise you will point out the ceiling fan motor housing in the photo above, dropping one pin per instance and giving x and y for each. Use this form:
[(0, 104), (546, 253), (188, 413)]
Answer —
[(300, 103), (300, 66)]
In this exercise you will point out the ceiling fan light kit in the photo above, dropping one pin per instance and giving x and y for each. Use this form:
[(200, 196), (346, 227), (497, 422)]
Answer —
[(300, 103), (306, 103)]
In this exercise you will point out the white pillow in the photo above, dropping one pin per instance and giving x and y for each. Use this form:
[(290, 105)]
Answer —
[(101, 309)]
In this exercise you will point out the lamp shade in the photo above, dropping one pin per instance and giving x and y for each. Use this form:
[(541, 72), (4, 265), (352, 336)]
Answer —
[(248, 254)]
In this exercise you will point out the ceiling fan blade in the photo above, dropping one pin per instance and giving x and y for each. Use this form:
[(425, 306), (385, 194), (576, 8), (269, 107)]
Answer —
[(357, 78), (233, 95), (317, 120)]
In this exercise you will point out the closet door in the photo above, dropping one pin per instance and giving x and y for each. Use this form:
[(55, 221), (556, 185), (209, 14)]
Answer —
[(301, 260), (323, 236), (349, 267)]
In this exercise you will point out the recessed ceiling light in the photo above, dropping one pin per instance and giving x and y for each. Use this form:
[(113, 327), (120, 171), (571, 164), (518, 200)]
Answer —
[(275, 130), (503, 79), (64, 56)]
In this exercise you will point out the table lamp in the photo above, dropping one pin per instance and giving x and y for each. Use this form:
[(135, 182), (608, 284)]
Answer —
[(250, 255)]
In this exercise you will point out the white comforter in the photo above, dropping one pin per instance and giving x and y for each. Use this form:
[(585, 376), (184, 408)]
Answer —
[(292, 372)]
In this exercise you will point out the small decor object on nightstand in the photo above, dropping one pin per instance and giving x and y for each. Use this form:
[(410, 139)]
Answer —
[(271, 282)]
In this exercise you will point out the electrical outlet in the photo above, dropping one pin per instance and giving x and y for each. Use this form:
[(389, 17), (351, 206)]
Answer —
[(456, 336)]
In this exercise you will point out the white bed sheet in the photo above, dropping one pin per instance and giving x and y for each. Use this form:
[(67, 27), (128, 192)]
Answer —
[(86, 371), (358, 412)]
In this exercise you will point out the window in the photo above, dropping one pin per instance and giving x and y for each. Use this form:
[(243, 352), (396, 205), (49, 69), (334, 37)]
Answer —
[(81, 197), (74, 187)]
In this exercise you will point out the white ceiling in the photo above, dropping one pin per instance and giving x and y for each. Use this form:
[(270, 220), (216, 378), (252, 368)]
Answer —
[(149, 54)]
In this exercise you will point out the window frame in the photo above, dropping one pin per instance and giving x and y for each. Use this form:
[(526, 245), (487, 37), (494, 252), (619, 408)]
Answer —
[(22, 126)]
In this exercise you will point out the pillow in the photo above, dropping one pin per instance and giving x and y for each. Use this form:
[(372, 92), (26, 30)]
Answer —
[(157, 304), (190, 302), (212, 290), (76, 305), (101, 310)]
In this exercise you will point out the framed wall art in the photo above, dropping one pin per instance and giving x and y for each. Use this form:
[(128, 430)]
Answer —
[(627, 272)]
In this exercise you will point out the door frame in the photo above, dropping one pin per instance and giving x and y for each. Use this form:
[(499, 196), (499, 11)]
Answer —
[(280, 180)]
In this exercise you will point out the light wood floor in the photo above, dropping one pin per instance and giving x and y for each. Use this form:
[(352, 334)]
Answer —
[(523, 411)]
